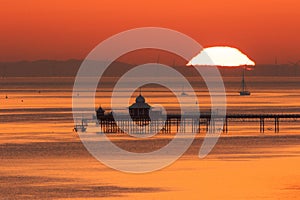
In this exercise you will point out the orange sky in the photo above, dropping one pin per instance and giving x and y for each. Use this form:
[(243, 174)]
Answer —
[(63, 29)]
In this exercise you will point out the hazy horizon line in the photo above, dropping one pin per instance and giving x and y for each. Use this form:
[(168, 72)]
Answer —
[(81, 60)]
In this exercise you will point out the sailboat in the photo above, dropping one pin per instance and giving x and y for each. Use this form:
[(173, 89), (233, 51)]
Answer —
[(4, 77), (183, 93), (244, 91)]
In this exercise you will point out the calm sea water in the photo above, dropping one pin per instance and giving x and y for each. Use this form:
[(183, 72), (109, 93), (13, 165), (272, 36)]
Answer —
[(44, 105), (43, 159)]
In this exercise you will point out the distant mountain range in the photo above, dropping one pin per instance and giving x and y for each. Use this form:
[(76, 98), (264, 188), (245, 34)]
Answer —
[(69, 68)]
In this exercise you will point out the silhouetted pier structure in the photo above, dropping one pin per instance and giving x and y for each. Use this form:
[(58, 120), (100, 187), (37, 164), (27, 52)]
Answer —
[(174, 123), (139, 118), (262, 119)]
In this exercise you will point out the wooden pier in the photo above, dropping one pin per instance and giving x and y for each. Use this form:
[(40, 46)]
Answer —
[(262, 118), (174, 123)]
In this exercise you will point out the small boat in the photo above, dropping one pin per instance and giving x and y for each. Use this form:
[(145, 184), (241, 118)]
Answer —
[(244, 91), (81, 127), (183, 93)]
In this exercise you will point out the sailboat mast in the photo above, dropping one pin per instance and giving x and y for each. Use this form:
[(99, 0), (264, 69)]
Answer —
[(244, 92), (243, 80)]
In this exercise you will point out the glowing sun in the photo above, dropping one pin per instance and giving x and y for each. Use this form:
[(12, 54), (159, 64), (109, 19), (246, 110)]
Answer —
[(221, 56)]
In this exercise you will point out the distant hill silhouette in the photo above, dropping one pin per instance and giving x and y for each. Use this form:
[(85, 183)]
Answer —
[(69, 68)]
